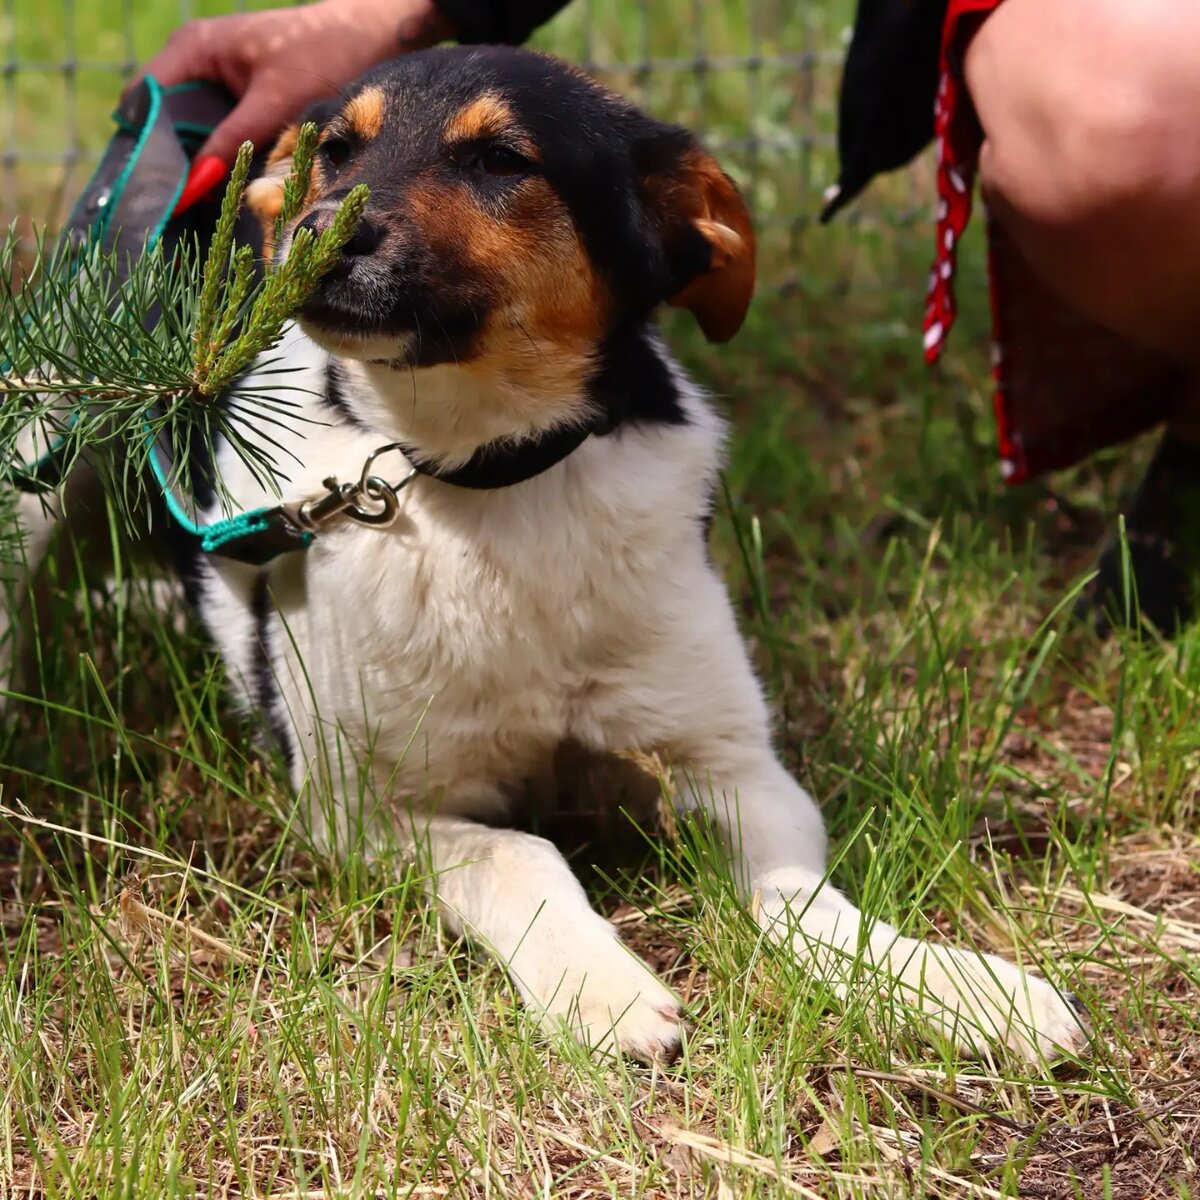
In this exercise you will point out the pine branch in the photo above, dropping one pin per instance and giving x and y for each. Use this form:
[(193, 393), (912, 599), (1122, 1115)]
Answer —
[(93, 360), (295, 188), (220, 251), (286, 288)]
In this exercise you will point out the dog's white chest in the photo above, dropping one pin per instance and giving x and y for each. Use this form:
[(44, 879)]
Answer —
[(459, 648), (470, 640)]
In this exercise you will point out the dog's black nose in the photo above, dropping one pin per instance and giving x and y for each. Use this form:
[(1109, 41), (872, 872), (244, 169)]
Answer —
[(363, 240)]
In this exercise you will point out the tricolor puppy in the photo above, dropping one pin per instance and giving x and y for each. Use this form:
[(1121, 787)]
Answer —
[(546, 581)]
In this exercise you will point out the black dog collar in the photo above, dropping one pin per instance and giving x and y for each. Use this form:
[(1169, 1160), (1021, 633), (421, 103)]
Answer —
[(503, 464)]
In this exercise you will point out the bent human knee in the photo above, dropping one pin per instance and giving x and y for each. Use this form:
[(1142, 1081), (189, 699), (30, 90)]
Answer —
[(1098, 165), (1069, 141)]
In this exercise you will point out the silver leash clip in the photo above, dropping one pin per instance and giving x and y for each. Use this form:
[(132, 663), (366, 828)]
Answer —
[(371, 501)]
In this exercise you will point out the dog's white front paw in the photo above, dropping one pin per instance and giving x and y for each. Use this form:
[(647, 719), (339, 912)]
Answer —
[(979, 1000), (613, 998)]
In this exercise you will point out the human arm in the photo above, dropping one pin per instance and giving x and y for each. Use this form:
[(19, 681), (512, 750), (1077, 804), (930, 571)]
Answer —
[(278, 61)]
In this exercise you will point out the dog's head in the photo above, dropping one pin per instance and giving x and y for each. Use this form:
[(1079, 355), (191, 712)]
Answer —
[(519, 215)]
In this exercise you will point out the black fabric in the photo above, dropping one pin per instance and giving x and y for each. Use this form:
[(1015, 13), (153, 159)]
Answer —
[(1162, 530), (885, 110), (143, 168), (507, 24)]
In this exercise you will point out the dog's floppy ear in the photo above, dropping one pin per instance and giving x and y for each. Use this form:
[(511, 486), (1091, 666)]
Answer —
[(264, 195), (705, 231)]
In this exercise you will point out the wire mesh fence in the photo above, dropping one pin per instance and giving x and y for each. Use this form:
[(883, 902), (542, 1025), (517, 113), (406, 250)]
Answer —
[(756, 78)]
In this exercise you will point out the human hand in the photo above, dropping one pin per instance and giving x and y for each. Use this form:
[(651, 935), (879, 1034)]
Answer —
[(279, 61)]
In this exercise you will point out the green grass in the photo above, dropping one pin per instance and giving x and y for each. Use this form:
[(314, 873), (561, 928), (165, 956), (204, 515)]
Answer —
[(192, 999), (195, 1003)]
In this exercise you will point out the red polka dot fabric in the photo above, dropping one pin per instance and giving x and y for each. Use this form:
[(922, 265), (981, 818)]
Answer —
[(1064, 386)]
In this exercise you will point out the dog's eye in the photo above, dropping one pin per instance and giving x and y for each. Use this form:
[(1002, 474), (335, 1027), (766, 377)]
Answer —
[(336, 151), (500, 160)]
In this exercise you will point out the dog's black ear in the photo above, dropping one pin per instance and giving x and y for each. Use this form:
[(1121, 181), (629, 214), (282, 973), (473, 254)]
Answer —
[(705, 231)]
